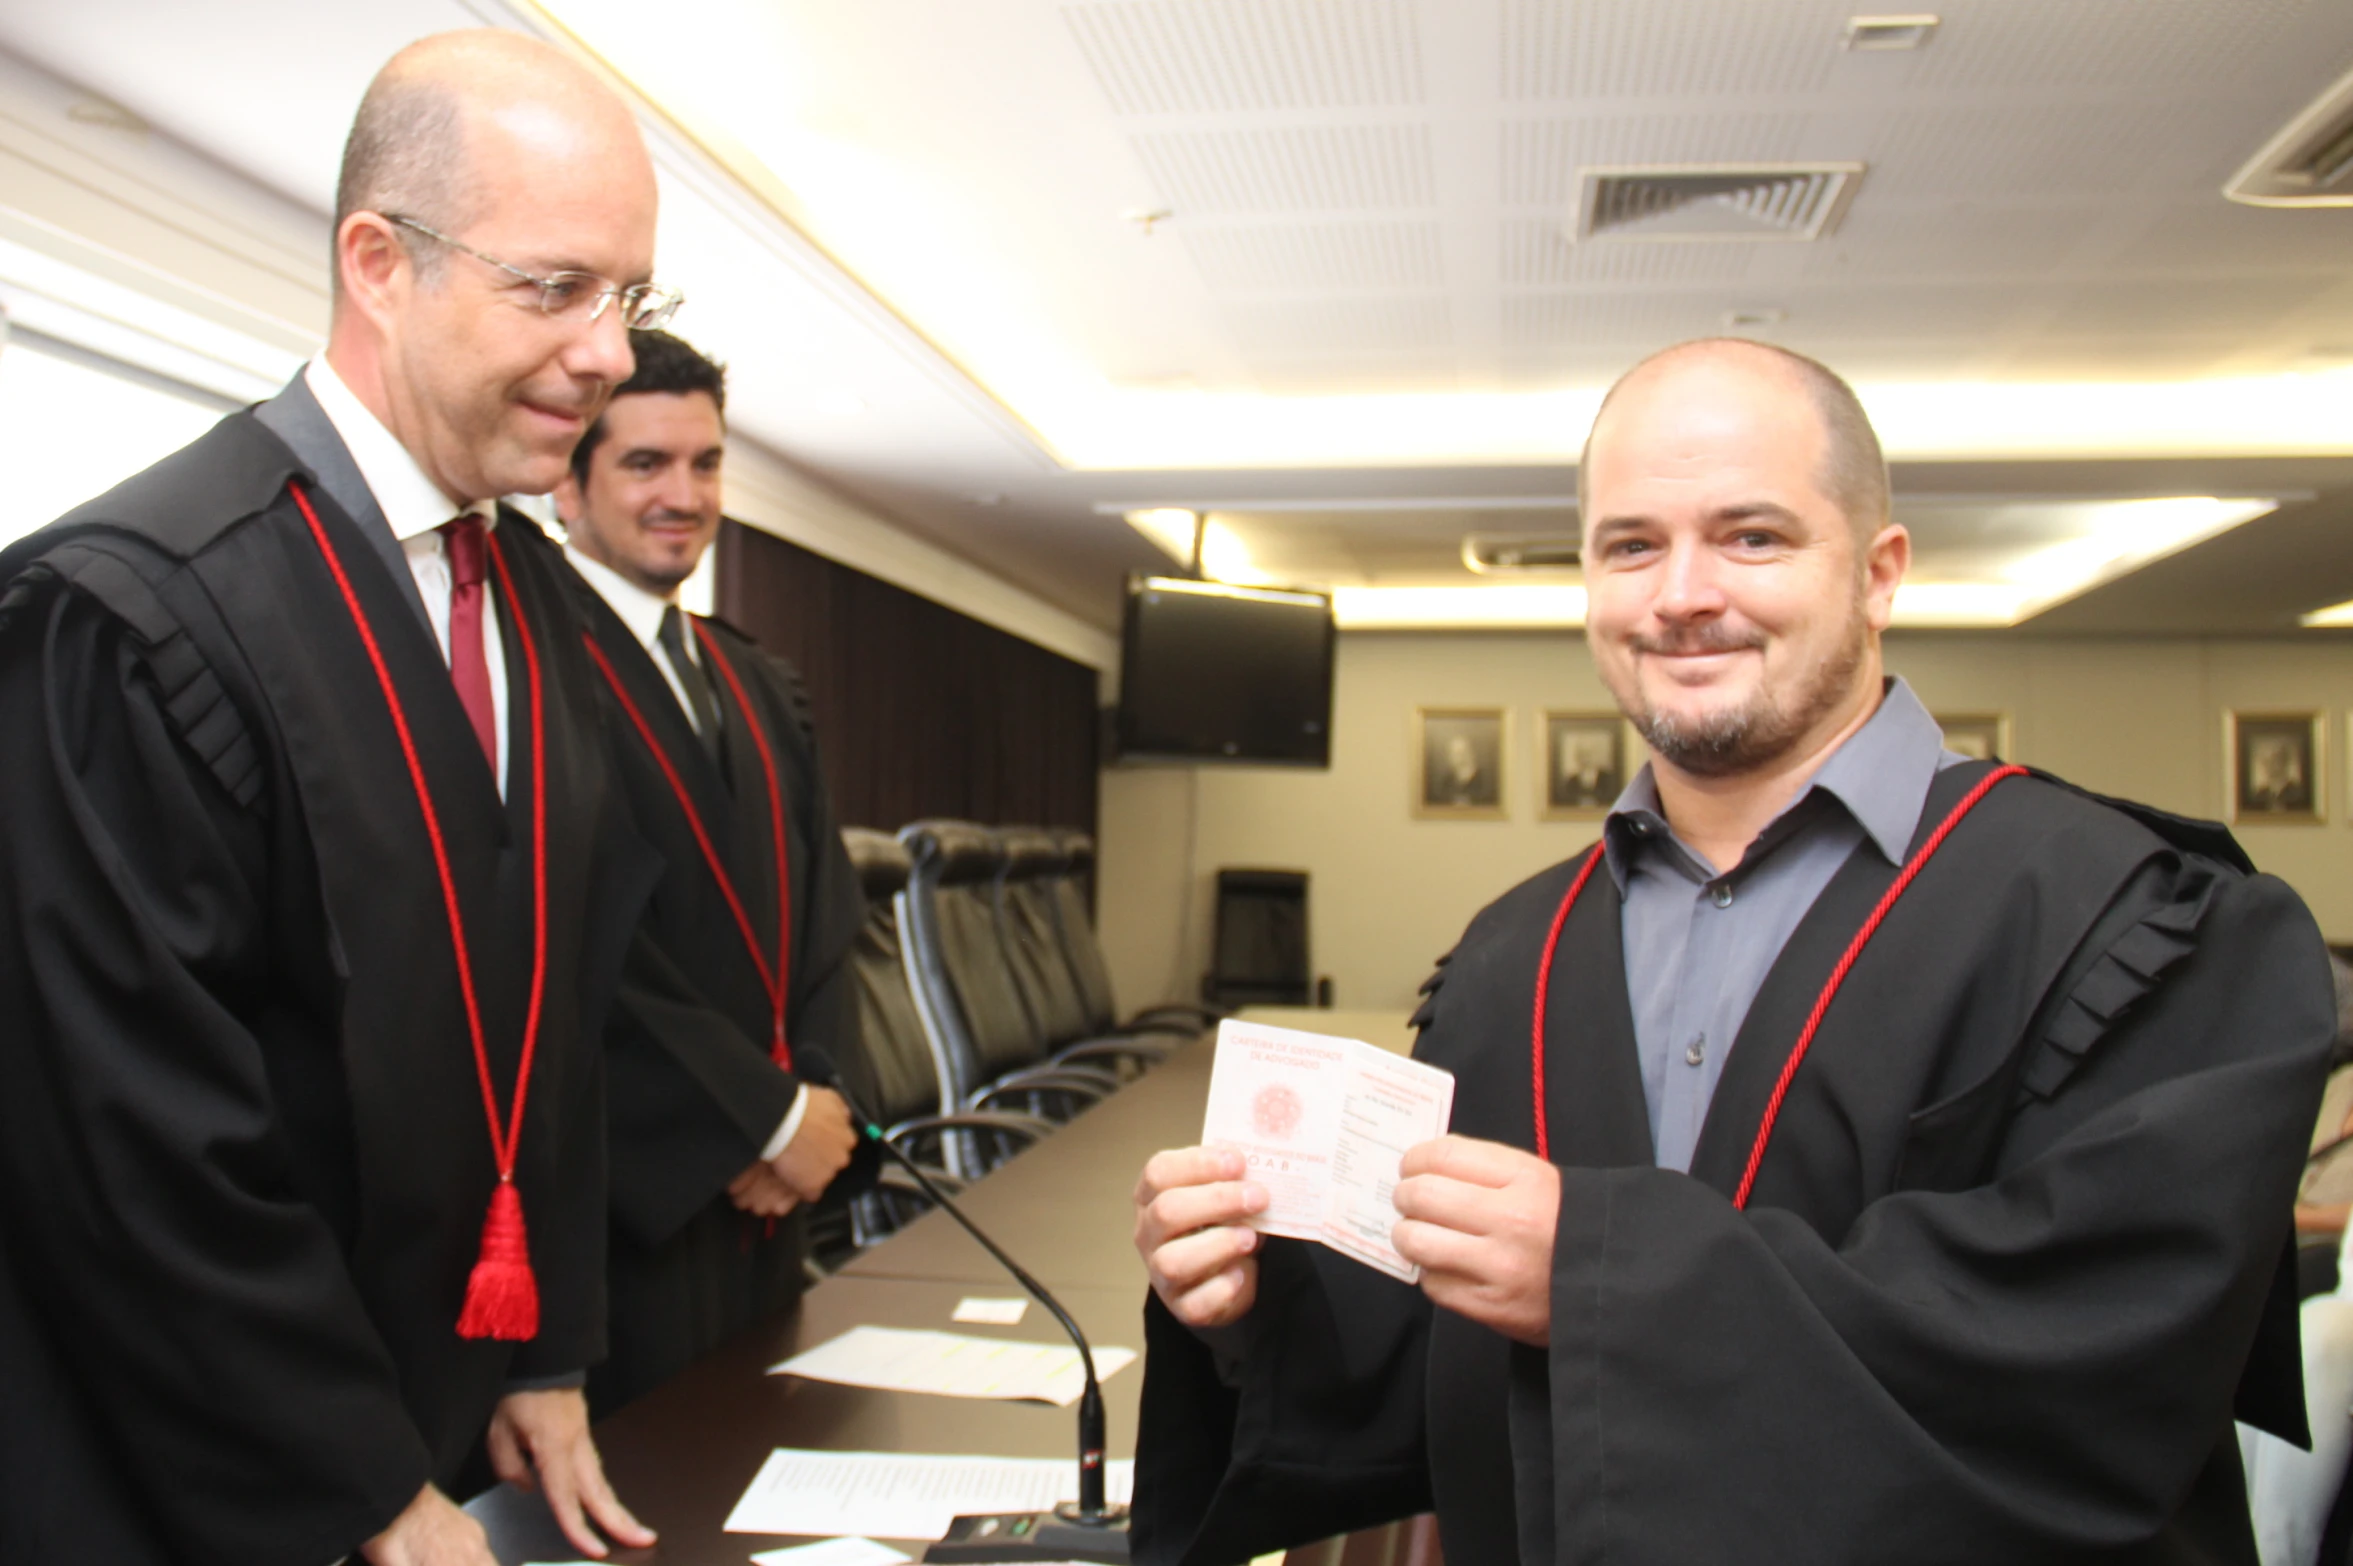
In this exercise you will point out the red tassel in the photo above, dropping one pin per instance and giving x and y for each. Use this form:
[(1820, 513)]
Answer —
[(778, 1050), (502, 1297)]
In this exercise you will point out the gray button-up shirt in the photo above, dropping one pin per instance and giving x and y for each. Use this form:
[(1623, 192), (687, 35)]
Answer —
[(1699, 943)]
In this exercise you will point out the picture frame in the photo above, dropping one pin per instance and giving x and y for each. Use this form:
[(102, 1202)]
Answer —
[(1584, 761), (1460, 757), (2275, 768), (1981, 736)]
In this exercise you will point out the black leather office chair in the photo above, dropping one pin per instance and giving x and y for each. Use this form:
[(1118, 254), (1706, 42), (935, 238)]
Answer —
[(1260, 957), (898, 1077), (965, 990), (1023, 894), (1083, 953)]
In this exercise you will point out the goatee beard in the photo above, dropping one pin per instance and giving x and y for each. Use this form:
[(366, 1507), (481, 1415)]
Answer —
[(1760, 731)]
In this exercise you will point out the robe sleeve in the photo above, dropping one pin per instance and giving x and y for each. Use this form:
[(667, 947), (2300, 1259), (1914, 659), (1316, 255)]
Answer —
[(1313, 1425), (2031, 1369), (691, 1100), (198, 1304), (831, 909)]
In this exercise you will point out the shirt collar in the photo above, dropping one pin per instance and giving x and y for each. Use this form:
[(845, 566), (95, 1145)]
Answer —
[(1880, 773), (412, 503), (638, 609)]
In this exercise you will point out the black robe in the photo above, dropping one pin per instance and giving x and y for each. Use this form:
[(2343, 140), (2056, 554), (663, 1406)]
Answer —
[(2018, 1246), (695, 1093), (244, 1162)]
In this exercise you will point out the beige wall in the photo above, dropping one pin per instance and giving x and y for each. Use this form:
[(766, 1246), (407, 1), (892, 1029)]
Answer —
[(1390, 893)]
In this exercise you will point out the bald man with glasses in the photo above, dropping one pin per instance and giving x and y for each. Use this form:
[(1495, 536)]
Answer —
[(313, 887)]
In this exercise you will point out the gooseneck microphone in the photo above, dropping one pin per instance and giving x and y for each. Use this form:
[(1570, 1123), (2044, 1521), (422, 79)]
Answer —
[(1087, 1531)]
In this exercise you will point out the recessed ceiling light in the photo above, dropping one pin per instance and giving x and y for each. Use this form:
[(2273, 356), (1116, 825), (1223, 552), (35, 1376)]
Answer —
[(1866, 34), (989, 499)]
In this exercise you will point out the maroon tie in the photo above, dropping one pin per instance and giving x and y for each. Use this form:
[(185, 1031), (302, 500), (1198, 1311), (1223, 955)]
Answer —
[(469, 670)]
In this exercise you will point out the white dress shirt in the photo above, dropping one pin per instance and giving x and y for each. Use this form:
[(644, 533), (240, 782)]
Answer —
[(416, 508), (641, 612)]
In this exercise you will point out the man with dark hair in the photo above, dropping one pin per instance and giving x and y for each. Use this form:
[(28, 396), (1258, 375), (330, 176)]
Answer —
[(717, 1147), (312, 885), (1861, 1154)]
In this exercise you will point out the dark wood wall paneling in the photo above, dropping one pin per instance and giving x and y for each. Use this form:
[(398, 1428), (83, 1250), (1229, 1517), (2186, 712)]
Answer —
[(921, 711)]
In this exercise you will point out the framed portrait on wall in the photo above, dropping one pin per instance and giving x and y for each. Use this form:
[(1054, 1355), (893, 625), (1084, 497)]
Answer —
[(1459, 757), (1981, 736), (2275, 767), (1585, 764)]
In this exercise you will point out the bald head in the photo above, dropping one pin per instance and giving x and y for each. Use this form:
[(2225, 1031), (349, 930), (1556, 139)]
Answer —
[(443, 106), (1852, 471), (483, 167)]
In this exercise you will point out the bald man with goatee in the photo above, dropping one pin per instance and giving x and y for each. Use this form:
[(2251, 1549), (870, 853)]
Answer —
[(311, 888), (1861, 1154)]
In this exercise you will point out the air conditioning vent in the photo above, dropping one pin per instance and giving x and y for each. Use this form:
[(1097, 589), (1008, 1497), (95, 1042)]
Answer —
[(1494, 554), (2310, 163), (1762, 201)]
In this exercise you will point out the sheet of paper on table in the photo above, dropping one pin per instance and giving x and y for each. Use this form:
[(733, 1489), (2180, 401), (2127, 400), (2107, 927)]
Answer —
[(1324, 1122), (953, 1364), (989, 1310), (833, 1552), (905, 1495)]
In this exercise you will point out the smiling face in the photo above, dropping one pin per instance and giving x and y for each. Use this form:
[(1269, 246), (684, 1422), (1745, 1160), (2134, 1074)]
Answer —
[(486, 390), (1733, 610), (649, 505)]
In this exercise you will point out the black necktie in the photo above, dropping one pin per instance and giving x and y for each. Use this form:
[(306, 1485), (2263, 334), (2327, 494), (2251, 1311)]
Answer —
[(699, 702)]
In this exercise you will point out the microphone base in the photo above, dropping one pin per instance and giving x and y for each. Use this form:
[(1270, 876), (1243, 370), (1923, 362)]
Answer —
[(1058, 1535)]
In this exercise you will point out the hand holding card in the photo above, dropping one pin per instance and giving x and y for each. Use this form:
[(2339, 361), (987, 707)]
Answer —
[(1323, 1123)]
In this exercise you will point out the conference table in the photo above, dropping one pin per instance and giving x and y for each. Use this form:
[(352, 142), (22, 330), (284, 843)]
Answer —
[(682, 1456)]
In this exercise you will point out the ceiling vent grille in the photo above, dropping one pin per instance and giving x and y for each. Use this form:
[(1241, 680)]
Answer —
[(2310, 163), (1715, 201)]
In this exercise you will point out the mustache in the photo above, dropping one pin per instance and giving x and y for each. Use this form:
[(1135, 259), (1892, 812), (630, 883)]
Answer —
[(666, 516), (1693, 641)]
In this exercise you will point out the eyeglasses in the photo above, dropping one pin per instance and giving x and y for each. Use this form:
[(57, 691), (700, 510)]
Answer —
[(578, 297)]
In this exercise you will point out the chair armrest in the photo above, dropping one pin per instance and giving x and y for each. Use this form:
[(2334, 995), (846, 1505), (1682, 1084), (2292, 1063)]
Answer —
[(1111, 1049), (902, 1182), (1010, 1122), (1091, 1081), (1180, 1011), (1176, 1028)]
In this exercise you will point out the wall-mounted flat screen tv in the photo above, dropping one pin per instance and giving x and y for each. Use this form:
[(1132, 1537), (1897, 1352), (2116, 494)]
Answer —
[(1211, 672)]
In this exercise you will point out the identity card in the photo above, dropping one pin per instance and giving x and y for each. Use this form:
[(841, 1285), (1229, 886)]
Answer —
[(1324, 1123)]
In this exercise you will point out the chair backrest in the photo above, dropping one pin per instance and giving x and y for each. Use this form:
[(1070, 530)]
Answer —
[(1076, 927), (1261, 950), (964, 990), (1026, 922), (897, 1068)]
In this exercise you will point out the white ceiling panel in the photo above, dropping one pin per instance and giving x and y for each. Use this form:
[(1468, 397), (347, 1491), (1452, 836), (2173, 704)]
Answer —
[(1298, 168), (1585, 49), (2089, 148), (1314, 327), (1229, 56), (2224, 238), (1300, 257), (1956, 239), (2188, 307), (1538, 251), (2127, 46)]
